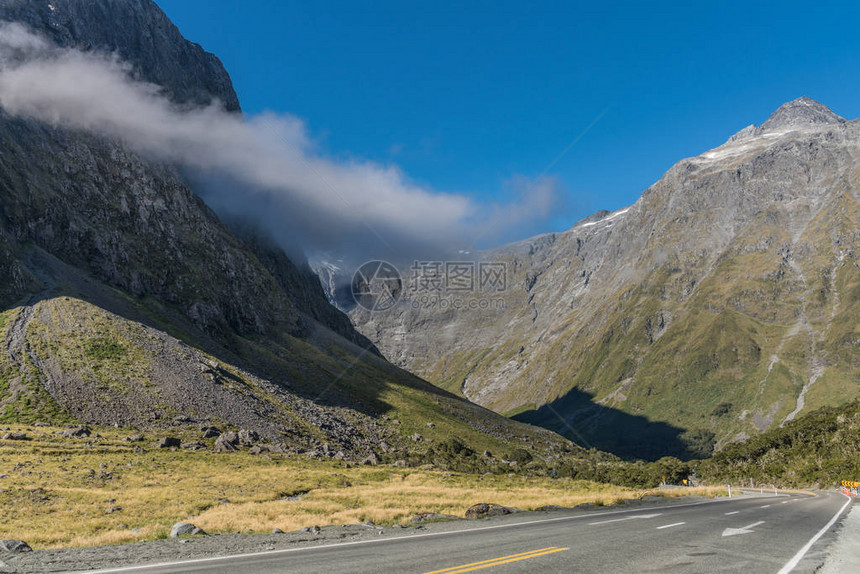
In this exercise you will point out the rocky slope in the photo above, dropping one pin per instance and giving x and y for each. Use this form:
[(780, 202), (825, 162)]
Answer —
[(722, 303), (126, 300)]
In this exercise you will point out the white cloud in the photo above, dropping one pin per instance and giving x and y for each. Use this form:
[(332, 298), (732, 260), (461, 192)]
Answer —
[(265, 166)]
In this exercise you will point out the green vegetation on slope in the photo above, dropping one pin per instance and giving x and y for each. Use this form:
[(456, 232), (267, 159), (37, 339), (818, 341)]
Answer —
[(820, 448)]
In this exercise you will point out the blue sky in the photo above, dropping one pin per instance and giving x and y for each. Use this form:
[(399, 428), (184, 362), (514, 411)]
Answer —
[(466, 96)]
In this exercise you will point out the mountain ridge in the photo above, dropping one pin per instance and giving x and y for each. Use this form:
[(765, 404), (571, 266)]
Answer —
[(727, 261), (158, 52)]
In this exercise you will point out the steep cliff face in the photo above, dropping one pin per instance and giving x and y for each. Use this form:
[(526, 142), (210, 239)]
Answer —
[(139, 33), (720, 304), (133, 224), (125, 300)]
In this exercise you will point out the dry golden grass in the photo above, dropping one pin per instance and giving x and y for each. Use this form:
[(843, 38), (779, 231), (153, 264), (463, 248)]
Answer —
[(57, 492)]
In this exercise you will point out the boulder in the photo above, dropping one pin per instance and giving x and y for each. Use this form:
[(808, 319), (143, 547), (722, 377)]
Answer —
[(15, 436), (370, 460), (227, 442), (134, 438), (76, 432), (185, 529), (248, 437), (485, 509), (229, 437), (169, 442), (210, 432), (12, 545), (193, 445)]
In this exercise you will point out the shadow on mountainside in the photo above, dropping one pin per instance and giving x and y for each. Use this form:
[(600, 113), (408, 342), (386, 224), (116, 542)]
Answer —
[(589, 424), (322, 367)]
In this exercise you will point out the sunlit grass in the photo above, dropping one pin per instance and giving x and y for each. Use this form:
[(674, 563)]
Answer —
[(57, 492)]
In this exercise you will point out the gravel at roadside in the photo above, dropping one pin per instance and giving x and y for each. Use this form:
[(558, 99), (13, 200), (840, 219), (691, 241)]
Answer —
[(844, 555)]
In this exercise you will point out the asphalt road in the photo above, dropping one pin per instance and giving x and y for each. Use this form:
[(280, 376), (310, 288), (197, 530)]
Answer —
[(776, 534)]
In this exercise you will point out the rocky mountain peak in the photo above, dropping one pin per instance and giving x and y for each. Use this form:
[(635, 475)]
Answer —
[(800, 112), (140, 34)]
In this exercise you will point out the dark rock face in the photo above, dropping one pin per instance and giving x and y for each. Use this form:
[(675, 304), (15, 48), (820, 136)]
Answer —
[(134, 224), (99, 207), (139, 33)]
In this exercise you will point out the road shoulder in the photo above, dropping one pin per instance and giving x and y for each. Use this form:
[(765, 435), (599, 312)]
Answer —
[(844, 553)]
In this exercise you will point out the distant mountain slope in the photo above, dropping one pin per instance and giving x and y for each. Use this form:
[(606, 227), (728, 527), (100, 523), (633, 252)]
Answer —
[(126, 301), (722, 303)]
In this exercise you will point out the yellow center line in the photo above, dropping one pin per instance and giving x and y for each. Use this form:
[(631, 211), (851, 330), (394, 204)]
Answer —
[(498, 561)]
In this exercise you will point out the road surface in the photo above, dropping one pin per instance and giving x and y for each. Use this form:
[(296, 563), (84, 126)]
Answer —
[(778, 534)]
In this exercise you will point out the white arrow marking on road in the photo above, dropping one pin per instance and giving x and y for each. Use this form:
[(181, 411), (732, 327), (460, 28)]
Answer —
[(730, 513), (742, 530), (765, 506), (627, 518)]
